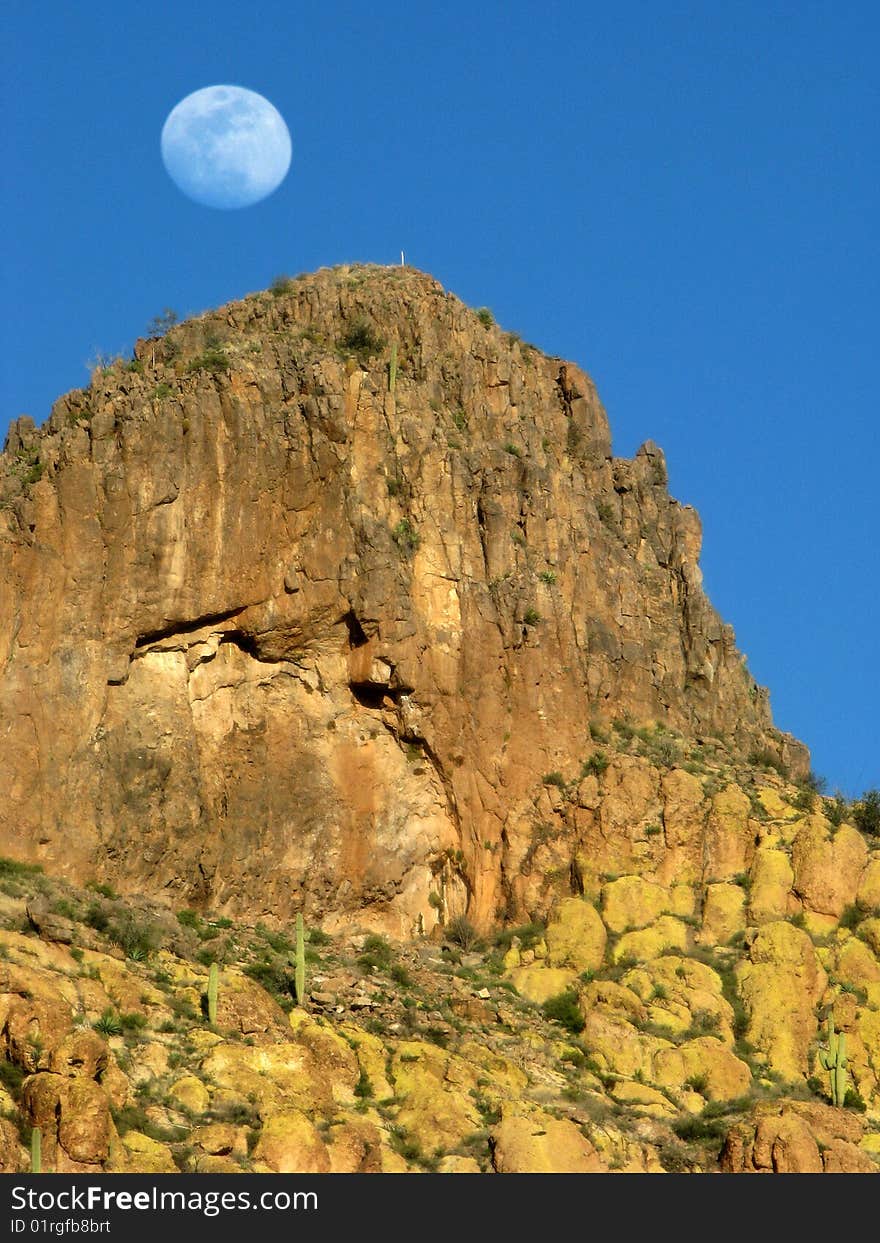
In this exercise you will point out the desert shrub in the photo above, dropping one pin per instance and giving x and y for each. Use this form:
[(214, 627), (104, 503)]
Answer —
[(96, 917), (703, 1023), (851, 917), (699, 1130), (485, 316), (763, 757), (564, 1009), (837, 810), (108, 1024), (160, 324), (213, 359), (134, 937), (461, 932), (277, 941), (528, 936), (12, 868), (361, 339), (605, 513), (866, 813), (595, 765), (11, 1077), (405, 536), (363, 1089), (805, 799), (106, 891), (376, 953), (853, 1100)]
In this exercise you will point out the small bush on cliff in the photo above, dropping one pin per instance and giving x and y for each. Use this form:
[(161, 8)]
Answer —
[(462, 932), (360, 339), (13, 868), (136, 939), (376, 953), (485, 316), (405, 536), (837, 810), (213, 359), (160, 324), (528, 936), (595, 765), (564, 1009), (866, 813)]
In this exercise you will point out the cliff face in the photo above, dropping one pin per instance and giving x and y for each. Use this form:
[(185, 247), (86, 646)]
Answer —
[(300, 608)]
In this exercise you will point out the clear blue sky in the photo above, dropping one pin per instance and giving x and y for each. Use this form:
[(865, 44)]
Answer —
[(683, 197)]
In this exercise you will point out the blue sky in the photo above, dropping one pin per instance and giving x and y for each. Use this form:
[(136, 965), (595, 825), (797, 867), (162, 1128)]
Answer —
[(683, 197)]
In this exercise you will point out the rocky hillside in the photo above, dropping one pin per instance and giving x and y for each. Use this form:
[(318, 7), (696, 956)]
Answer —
[(299, 608), (335, 601), (651, 1027)]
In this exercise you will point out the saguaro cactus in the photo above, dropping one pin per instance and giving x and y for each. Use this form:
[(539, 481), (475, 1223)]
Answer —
[(36, 1151), (299, 978), (213, 985), (392, 368), (833, 1059)]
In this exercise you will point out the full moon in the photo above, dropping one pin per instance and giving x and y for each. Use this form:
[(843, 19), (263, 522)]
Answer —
[(226, 147)]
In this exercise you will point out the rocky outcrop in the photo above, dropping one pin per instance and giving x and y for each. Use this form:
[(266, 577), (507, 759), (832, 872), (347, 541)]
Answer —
[(545, 1051), (299, 607)]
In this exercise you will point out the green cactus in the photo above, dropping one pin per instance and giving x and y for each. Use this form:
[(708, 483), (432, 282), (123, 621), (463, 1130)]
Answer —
[(36, 1151), (833, 1059), (392, 368), (300, 967), (213, 985)]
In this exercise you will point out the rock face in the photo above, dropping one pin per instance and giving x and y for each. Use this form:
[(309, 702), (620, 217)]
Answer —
[(298, 609)]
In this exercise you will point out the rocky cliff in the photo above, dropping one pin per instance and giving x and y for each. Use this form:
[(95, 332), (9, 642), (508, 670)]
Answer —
[(323, 600), (335, 600)]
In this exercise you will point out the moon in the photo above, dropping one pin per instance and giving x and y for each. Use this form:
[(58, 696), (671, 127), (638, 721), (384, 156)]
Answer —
[(226, 147)]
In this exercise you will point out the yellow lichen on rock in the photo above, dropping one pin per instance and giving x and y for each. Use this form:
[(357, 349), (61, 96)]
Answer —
[(827, 867), (575, 936), (276, 1076), (781, 985), (709, 1061), (618, 1045), (668, 933), (869, 931), (729, 841), (290, 1144), (538, 983), (436, 1110), (147, 1156), (632, 902), (723, 913), (770, 891), (538, 1143), (191, 1093), (868, 894), (856, 964), (646, 1099)]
